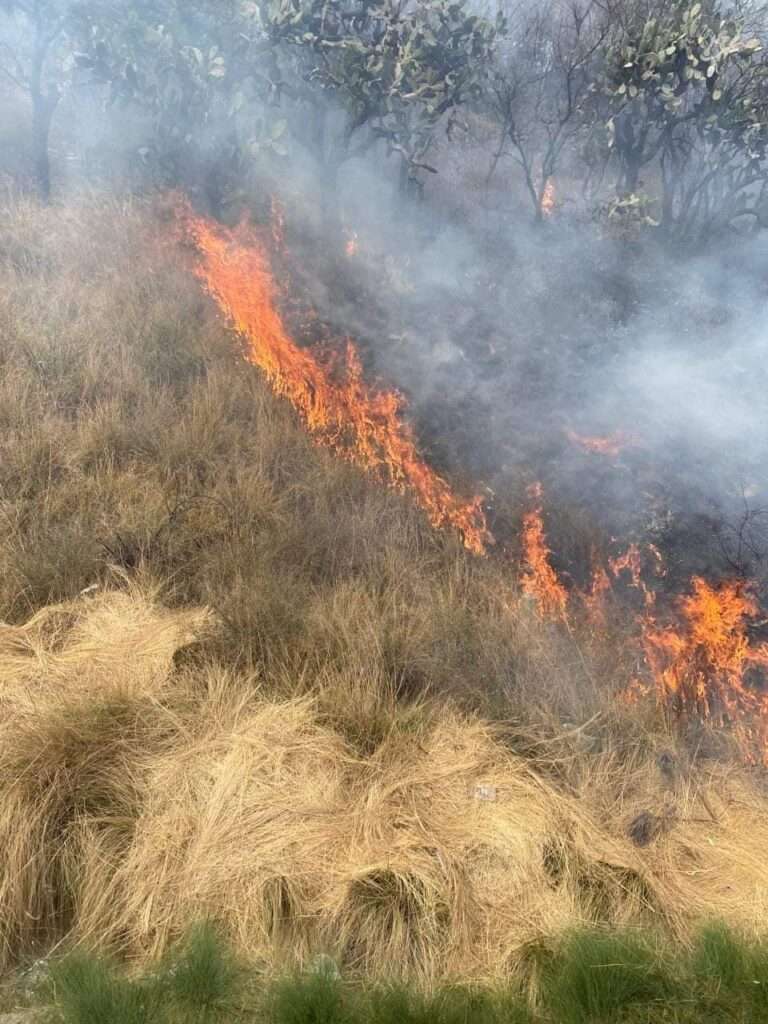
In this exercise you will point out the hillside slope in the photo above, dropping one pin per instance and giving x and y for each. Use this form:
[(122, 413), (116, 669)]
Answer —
[(238, 678)]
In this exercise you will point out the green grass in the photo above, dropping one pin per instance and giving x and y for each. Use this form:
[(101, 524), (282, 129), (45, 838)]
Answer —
[(91, 991), (602, 976), (205, 976), (731, 973), (590, 978)]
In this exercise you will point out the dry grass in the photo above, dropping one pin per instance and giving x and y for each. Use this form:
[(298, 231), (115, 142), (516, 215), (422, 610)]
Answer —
[(133, 435), (136, 796), (307, 772)]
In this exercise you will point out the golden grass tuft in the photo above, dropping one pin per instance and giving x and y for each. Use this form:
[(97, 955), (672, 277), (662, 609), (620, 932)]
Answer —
[(77, 686)]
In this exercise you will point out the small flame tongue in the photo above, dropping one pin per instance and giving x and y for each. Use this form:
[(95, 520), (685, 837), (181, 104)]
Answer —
[(339, 409), (612, 445), (548, 198), (539, 580)]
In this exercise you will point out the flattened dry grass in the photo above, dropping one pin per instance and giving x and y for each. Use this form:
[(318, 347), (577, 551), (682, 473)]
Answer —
[(240, 680), (138, 793)]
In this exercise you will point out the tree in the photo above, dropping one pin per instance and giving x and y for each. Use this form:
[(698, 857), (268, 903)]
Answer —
[(37, 56), (188, 68), (187, 65), (687, 94), (396, 69), (541, 86)]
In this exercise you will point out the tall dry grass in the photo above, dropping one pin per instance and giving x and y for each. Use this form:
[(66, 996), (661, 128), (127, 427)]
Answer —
[(133, 435), (239, 679)]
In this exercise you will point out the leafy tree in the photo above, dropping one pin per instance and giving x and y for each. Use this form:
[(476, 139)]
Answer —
[(396, 69), (687, 94), (188, 67)]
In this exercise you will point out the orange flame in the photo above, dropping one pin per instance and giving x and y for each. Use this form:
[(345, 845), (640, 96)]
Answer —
[(539, 580), (595, 598), (632, 563), (699, 666), (612, 445), (362, 424), (633, 694), (548, 198), (352, 246)]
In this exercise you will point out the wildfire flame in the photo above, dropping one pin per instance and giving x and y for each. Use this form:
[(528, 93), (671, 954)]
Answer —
[(700, 659), (699, 665), (631, 562), (548, 198), (611, 445), (352, 245), (334, 401), (538, 579), (594, 599)]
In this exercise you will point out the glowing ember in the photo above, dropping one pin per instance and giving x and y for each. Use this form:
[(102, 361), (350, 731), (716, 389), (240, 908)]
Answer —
[(548, 199), (611, 445), (636, 692), (539, 580), (352, 246), (335, 403), (699, 666)]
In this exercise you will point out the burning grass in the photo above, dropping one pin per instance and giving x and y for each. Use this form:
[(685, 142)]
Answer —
[(373, 746), (340, 409)]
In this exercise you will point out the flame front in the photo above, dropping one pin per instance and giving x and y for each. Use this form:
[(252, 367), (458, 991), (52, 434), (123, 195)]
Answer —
[(538, 579), (335, 403), (699, 665), (611, 446), (700, 660)]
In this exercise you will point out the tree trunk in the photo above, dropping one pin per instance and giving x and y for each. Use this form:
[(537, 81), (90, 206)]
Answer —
[(42, 115), (631, 174)]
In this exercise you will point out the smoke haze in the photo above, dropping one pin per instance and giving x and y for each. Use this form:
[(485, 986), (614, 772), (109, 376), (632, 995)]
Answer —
[(508, 338)]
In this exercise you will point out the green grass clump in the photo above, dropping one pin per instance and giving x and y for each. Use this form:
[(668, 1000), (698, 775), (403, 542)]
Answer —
[(732, 975), (593, 977), (204, 977), (399, 1005), (316, 998), (600, 976), (323, 998), (91, 991)]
